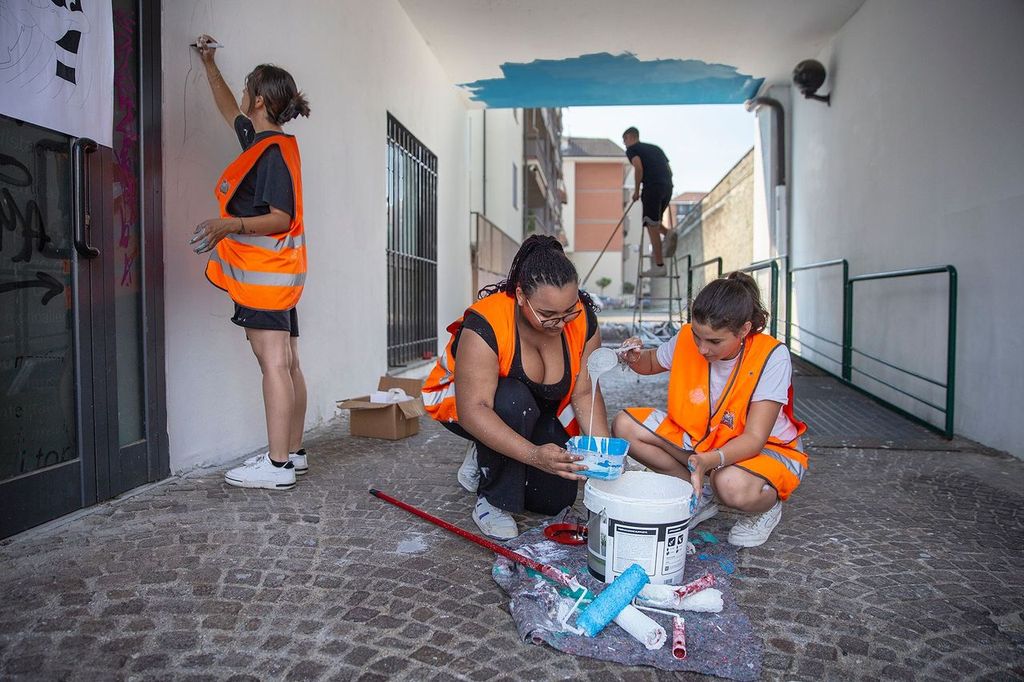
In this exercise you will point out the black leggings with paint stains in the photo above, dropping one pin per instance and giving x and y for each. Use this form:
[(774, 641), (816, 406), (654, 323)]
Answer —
[(508, 483)]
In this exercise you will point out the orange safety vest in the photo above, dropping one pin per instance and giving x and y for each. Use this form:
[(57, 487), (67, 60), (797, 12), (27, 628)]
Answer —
[(263, 272), (499, 310), (712, 426)]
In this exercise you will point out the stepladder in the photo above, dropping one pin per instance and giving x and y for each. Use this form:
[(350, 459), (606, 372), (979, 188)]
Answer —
[(659, 305)]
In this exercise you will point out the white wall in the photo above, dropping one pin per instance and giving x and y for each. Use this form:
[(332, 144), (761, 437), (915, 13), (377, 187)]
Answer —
[(920, 161), (356, 62), (504, 152)]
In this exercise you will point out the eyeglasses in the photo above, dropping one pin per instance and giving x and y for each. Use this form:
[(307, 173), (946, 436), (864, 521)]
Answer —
[(552, 322)]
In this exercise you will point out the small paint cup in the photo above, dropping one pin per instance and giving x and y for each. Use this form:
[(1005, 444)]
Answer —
[(602, 360), (603, 457)]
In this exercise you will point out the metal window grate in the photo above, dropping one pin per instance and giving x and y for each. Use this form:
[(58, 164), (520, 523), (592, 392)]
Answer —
[(412, 246)]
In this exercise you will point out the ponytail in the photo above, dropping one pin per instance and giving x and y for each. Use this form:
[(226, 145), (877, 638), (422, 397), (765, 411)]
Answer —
[(539, 261), (730, 303), (297, 106)]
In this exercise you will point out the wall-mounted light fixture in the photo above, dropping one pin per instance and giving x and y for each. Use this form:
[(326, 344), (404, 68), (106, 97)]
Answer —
[(808, 76)]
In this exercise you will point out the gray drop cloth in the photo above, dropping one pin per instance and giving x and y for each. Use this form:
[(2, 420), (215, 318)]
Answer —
[(721, 644)]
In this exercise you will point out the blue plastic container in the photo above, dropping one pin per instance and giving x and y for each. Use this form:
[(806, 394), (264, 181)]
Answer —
[(604, 457)]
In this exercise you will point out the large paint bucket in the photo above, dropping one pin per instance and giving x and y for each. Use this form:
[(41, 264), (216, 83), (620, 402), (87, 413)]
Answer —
[(639, 518)]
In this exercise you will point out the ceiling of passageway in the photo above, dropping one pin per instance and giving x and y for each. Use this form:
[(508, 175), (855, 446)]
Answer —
[(525, 53)]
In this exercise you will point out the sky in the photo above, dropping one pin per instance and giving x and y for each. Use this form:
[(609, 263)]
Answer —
[(702, 142)]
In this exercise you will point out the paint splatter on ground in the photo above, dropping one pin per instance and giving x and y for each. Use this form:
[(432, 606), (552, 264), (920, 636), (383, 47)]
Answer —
[(413, 545), (721, 644)]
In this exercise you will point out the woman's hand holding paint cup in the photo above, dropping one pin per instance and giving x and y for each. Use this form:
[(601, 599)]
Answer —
[(697, 470), (556, 460), (209, 232), (630, 350)]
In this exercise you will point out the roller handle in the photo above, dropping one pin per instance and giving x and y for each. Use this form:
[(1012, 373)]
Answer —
[(544, 569)]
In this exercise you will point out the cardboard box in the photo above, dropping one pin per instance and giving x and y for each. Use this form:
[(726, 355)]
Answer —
[(388, 421)]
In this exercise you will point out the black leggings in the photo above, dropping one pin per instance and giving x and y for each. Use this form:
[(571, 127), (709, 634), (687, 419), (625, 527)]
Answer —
[(508, 483)]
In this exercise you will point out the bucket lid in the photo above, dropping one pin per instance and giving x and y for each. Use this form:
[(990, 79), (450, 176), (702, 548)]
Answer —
[(638, 486)]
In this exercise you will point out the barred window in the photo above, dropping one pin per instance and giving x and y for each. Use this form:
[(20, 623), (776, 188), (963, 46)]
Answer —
[(412, 247)]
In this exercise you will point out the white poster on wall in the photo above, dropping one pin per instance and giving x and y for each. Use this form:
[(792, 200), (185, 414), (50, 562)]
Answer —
[(57, 65)]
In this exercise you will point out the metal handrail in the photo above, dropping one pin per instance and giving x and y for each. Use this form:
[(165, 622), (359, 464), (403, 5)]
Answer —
[(773, 264), (845, 345), (690, 268), (950, 337)]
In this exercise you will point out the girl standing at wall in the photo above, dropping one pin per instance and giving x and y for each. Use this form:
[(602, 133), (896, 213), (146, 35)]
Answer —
[(259, 255), (730, 410)]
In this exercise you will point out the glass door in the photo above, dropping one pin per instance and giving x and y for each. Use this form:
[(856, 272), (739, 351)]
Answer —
[(42, 458), (82, 414)]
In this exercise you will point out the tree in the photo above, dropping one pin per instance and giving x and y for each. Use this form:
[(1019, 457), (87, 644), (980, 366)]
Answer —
[(602, 283), (628, 288)]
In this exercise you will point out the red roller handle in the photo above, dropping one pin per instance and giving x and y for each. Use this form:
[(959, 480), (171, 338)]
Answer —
[(544, 569)]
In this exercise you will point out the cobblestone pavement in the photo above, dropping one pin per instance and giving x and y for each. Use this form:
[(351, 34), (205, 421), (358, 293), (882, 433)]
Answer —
[(888, 564)]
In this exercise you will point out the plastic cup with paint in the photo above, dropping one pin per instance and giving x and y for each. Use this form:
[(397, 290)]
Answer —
[(603, 457), (600, 361)]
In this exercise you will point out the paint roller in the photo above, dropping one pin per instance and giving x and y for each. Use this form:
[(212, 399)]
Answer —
[(613, 603), (698, 595)]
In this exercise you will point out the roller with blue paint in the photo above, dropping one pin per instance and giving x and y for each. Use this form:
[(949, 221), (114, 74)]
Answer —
[(614, 603)]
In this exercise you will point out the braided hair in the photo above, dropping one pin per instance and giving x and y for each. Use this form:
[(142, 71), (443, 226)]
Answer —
[(730, 303), (540, 261)]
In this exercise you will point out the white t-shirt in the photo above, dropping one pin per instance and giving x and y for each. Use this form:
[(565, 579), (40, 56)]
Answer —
[(773, 385)]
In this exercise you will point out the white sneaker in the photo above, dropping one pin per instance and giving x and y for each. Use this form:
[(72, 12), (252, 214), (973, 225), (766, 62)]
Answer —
[(706, 509), (469, 472), (493, 522), (298, 460), (262, 474), (655, 271), (668, 244), (752, 531)]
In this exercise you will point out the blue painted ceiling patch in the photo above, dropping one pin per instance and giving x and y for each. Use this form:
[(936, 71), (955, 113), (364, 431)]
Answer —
[(604, 79)]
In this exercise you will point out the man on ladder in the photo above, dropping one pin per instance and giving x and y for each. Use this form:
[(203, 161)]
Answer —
[(651, 169)]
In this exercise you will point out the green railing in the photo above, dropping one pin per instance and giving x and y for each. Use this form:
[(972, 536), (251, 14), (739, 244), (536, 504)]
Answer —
[(773, 265), (849, 349), (690, 269), (842, 344)]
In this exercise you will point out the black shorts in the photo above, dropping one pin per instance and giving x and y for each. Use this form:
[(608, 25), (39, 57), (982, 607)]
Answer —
[(655, 199), (282, 320)]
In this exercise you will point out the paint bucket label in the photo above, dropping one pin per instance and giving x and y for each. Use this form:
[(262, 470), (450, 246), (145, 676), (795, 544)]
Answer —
[(641, 518)]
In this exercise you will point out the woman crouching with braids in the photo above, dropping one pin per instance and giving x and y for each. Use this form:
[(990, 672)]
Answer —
[(522, 388)]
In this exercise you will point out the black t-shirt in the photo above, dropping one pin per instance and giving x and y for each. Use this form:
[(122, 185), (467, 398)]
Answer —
[(268, 183), (548, 395), (656, 168)]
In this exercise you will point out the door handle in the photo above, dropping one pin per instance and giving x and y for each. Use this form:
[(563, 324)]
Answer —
[(80, 180)]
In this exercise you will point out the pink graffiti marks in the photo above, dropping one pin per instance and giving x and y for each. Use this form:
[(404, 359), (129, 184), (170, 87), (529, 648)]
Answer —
[(126, 139)]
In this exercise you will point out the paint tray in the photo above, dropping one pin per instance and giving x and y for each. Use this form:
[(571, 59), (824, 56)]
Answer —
[(603, 457)]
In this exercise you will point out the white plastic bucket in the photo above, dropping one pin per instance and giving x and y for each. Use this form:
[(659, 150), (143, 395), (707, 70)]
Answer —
[(639, 518)]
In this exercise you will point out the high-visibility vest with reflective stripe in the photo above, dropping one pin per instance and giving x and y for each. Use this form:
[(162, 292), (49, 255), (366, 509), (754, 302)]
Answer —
[(712, 426), (500, 311), (263, 272)]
